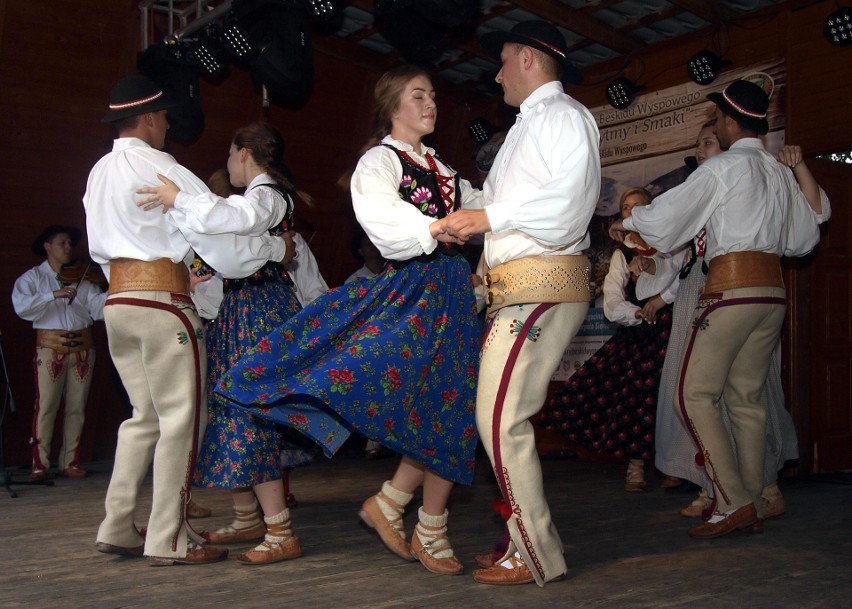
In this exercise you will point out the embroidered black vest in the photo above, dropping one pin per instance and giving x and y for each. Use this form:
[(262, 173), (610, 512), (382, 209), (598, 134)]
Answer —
[(421, 187)]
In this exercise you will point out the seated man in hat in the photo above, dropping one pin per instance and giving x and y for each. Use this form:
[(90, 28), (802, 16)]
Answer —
[(62, 314), (539, 198), (754, 212), (155, 334)]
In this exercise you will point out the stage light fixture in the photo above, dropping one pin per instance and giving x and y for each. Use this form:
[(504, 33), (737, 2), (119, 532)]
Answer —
[(211, 54), (621, 92), (324, 10), (837, 28), (481, 130), (704, 67), (175, 68)]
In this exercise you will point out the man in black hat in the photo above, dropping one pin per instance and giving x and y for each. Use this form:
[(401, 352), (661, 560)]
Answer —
[(155, 334), (539, 197), (754, 212), (62, 312)]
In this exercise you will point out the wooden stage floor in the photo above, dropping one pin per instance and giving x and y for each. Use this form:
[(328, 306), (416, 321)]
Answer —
[(624, 550)]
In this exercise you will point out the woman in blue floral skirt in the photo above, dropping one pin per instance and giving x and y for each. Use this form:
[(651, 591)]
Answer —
[(394, 356)]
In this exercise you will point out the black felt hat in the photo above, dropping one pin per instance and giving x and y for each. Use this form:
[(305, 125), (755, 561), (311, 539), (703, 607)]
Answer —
[(744, 100), (50, 232), (539, 35), (136, 94)]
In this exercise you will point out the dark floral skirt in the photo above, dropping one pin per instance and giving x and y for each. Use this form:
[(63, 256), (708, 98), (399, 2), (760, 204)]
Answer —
[(609, 404), (240, 450)]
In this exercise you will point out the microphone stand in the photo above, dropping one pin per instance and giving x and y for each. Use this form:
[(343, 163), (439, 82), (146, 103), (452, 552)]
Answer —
[(9, 405)]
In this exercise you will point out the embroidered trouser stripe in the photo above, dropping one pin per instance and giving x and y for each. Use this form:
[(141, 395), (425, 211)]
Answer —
[(727, 354), (522, 350), (154, 339)]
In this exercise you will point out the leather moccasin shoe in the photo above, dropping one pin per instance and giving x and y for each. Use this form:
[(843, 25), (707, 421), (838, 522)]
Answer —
[(273, 552), (774, 506), (231, 535), (195, 555), (500, 575), (442, 566), (74, 471), (738, 519), (484, 560), (373, 517), (193, 510), (108, 548)]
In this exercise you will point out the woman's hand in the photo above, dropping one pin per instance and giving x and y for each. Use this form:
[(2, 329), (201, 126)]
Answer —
[(642, 264), (164, 195), (649, 311)]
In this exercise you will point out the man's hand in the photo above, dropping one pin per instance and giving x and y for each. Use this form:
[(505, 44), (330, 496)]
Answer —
[(616, 230), (438, 230), (164, 195), (194, 280), (467, 222)]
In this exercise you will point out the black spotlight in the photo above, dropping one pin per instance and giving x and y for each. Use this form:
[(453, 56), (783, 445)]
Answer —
[(324, 11), (704, 67), (481, 130), (284, 62), (211, 54), (175, 68), (838, 27), (620, 93)]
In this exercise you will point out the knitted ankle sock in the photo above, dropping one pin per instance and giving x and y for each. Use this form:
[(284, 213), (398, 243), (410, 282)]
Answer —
[(388, 510), (245, 517), (278, 530), (432, 532)]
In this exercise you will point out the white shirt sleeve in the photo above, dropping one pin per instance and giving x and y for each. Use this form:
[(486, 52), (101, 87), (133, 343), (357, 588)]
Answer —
[(615, 305), (305, 273), (395, 227), (251, 214)]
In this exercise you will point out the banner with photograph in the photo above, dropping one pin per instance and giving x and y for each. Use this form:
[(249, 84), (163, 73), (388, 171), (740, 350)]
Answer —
[(645, 145)]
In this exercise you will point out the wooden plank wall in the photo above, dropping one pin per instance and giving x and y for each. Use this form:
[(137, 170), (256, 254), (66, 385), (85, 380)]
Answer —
[(58, 59)]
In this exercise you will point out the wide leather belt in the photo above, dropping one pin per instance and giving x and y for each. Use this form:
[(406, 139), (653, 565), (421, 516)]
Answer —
[(743, 270), (161, 275), (65, 341), (538, 279)]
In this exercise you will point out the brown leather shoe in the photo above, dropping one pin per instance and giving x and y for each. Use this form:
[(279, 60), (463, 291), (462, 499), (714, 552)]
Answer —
[(442, 566), (374, 518), (229, 534), (108, 548), (498, 575), (741, 518), (193, 510), (773, 506), (484, 560), (73, 471), (275, 552), (37, 475), (195, 555)]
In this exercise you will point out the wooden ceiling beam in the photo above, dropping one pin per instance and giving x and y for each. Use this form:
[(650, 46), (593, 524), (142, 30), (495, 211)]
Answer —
[(581, 23)]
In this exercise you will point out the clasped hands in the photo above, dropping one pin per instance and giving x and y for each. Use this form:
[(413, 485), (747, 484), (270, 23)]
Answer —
[(459, 226)]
